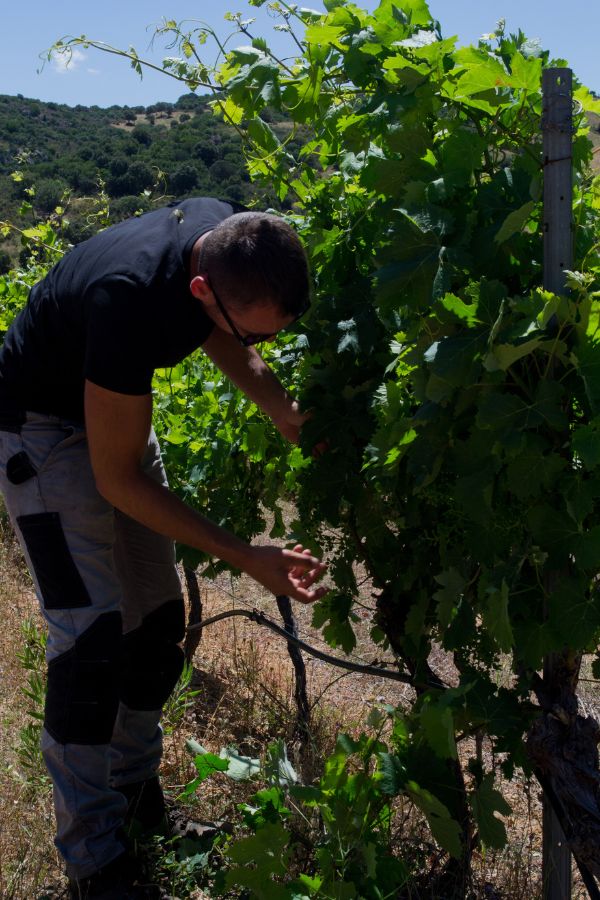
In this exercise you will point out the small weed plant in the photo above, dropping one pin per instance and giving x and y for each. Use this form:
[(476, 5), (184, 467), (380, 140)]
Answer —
[(180, 700), (32, 658)]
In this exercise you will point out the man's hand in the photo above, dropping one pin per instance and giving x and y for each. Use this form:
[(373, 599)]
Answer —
[(246, 368), (290, 422), (289, 572)]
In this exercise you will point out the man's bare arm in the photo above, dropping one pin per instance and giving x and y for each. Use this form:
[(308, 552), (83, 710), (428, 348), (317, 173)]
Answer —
[(248, 371), (118, 426)]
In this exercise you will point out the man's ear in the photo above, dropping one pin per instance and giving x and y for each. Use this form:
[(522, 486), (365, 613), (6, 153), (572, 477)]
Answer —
[(200, 289)]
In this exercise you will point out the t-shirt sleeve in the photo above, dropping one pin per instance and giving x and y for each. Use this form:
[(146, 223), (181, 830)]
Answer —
[(118, 350)]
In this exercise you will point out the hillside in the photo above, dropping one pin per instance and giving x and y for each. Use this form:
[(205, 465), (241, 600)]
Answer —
[(169, 150)]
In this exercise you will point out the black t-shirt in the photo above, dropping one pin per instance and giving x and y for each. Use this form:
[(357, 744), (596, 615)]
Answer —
[(115, 308)]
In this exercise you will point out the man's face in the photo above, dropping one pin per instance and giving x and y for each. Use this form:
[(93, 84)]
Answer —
[(249, 324)]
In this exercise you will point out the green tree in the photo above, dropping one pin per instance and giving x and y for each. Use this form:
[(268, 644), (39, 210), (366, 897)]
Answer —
[(183, 179), (5, 262), (142, 135), (49, 194), (222, 170), (118, 165), (205, 151)]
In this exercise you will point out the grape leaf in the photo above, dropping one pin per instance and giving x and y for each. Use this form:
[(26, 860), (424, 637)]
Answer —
[(496, 618), (485, 802), (444, 828), (438, 725)]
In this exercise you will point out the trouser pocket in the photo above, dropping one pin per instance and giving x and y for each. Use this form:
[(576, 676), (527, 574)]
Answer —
[(60, 584), (19, 468)]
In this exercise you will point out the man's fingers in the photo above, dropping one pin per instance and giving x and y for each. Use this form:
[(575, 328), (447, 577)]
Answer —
[(303, 560), (307, 579), (302, 595), (308, 576), (300, 571)]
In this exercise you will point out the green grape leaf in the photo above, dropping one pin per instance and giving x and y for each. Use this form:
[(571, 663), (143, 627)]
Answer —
[(409, 263), (267, 845), (533, 469), (308, 886), (206, 764), (451, 363), (444, 828), (416, 11), (263, 136), (580, 496), (324, 34), (588, 102), (335, 610), (587, 360), (586, 548), (460, 156), (482, 70), (574, 612), (586, 443), (474, 492), (464, 312), (502, 356), (496, 708), (514, 222), (485, 802), (501, 411), (495, 616), (391, 774), (553, 530), (526, 71), (548, 407), (452, 584), (438, 725), (267, 852)]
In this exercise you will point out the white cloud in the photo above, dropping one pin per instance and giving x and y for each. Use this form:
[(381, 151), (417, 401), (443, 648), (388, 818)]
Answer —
[(93, 71), (65, 61)]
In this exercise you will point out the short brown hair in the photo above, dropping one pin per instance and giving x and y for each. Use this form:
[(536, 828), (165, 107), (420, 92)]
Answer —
[(254, 256)]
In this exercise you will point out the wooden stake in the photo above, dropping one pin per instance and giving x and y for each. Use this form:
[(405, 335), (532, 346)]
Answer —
[(557, 128)]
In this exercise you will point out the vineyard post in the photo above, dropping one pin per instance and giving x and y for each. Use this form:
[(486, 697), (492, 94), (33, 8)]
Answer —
[(557, 128)]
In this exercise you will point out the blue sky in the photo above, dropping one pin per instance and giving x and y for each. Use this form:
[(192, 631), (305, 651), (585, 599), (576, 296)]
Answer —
[(568, 31)]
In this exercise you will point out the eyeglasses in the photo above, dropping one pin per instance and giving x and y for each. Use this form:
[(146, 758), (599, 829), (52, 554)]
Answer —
[(249, 340)]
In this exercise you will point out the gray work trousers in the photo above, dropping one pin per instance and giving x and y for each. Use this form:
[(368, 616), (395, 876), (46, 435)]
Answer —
[(109, 591)]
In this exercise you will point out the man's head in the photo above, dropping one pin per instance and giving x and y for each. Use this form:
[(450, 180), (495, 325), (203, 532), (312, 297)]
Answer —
[(251, 269)]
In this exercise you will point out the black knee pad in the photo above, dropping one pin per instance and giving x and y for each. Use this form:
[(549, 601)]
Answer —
[(82, 696), (151, 661)]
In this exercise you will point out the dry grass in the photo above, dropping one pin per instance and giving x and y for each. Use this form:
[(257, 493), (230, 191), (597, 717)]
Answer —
[(27, 856), (246, 698)]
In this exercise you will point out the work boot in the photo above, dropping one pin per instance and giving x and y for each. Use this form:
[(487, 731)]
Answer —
[(117, 880), (146, 811)]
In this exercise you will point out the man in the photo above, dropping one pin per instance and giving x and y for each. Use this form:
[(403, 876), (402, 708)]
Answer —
[(83, 481)]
